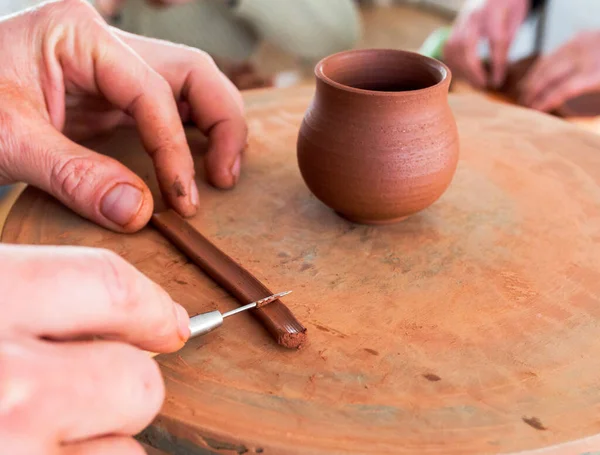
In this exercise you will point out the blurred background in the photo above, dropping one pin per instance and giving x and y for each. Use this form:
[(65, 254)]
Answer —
[(397, 24), (263, 43)]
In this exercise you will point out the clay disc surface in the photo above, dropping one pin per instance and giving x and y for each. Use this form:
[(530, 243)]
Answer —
[(472, 327)]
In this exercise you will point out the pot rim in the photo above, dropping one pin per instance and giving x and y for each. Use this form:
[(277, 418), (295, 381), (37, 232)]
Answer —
[(444, 71)]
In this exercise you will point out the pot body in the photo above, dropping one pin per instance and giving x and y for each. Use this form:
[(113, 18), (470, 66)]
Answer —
[(379, 141)]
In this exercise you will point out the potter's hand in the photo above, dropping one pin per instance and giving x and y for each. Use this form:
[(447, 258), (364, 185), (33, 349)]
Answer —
[(496, 21), (64, 70), (60, 391), (572, 70)]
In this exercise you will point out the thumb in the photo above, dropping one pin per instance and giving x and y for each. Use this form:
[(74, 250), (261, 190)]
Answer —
[(95, 186)]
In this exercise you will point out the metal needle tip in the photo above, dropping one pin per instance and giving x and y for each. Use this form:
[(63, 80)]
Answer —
[(257, 304)]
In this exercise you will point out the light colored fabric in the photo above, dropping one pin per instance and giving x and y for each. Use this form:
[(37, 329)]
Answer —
[(13, 6), (309, 29), (567, 18), (204, 24), (562, 21)]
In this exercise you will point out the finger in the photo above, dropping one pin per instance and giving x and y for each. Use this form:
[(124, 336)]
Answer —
[(97, 187), (226, 130), (463, 48), (234, 92), (556, 95), (110, 445), (100, 387), (500, 30), (544, 77), (473, 62), (73, 292), (551, 67), (155, 111), (215, 104), (102, 64)]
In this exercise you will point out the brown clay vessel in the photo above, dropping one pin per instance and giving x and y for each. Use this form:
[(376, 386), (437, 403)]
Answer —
[(379, 141)]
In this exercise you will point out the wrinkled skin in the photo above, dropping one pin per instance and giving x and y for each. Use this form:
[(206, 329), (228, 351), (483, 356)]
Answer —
[(60, 394), (73, 376), (67, 75)]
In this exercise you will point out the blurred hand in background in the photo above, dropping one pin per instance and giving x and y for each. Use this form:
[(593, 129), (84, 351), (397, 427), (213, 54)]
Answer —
[(496, 21), (570, 71)]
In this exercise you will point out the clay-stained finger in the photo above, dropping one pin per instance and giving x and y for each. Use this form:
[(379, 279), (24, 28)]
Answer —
[(128, 82), (215, 104), (74, 391), (113, 445), (73, 292)]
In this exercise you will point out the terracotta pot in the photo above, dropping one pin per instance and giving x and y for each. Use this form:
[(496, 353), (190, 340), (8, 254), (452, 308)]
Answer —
[(379, 142)]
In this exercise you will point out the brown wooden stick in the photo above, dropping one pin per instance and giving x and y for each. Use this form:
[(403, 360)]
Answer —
[(276, 317)]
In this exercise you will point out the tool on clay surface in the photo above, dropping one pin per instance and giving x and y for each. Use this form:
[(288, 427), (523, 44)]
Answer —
[(277, 318), (204, 323), (207, 322)]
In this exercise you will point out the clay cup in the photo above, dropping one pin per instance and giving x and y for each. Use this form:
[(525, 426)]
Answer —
[(379, 141)]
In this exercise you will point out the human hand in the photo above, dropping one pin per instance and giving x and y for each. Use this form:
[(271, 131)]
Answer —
[(572, 70), (61, 392), (496, 21), (65, 70)]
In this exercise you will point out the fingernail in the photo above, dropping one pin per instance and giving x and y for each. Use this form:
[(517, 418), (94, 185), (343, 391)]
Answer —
[(235, 169), (121, 204), (183, 322), (194, 193)]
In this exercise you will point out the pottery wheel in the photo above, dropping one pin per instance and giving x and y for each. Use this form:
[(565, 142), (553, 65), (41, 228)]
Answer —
[(472, 327)]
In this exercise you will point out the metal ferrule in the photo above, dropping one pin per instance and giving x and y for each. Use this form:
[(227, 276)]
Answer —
[(204, 323)]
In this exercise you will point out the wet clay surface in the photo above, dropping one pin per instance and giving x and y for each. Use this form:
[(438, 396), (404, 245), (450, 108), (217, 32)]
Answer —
[(276, 317), (378, 142), (494, 289)]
